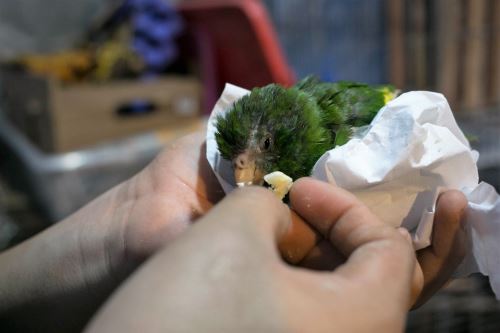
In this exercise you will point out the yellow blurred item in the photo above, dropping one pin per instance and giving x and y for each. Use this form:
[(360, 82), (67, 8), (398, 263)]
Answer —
[(66, 66), (114, 59), (109, 60)]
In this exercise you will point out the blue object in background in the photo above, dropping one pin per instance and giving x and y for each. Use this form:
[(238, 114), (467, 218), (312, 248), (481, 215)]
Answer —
[(334, 39), (155, 25), (136, 107)]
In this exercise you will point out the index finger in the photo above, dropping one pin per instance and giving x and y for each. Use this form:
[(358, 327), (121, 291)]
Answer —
[(377, 253), (337, 214)]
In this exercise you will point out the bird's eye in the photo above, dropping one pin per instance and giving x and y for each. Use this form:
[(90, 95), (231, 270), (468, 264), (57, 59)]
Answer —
[(266, 143)]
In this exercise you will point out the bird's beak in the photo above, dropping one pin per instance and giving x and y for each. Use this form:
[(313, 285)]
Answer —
[(246, 171)]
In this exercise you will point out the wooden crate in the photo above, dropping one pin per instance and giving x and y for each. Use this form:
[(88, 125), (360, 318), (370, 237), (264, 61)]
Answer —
[(60, 118)]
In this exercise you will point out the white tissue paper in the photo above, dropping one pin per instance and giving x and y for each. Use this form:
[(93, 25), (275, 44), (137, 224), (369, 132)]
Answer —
[(412, 151)]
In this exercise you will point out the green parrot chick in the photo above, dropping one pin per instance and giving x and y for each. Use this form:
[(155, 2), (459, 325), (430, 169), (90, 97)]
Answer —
[(287, 129)]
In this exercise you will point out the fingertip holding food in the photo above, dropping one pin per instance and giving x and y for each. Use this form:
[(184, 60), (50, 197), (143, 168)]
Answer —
[(298, 240)]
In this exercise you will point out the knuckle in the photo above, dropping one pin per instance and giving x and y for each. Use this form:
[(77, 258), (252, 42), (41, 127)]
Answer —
[(391, 247)]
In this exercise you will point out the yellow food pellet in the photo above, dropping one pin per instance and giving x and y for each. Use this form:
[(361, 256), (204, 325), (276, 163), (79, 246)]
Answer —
[(280, 183)]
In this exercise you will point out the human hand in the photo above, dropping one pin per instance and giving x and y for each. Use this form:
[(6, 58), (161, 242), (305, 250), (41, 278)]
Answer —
[(61, 276), (304, 246), (225, 273), (65, 272), (165, 198), (179, 186)]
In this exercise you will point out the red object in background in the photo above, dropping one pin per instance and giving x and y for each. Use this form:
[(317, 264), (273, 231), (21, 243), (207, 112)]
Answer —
[(236, 43)]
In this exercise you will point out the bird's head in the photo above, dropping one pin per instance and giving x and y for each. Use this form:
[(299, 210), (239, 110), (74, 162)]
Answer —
[(271, 129)]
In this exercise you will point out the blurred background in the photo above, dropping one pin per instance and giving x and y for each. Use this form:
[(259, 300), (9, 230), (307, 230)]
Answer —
[(91, 90)]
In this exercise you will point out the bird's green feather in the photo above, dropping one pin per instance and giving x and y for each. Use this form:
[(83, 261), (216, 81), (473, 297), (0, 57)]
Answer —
[(304, 121)]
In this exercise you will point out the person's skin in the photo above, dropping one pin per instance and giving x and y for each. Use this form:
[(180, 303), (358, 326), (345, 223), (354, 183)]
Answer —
[(60, 277), (225, 273)]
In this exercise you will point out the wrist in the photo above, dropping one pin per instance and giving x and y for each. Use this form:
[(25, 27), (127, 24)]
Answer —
[(59, 277), (102, 225)]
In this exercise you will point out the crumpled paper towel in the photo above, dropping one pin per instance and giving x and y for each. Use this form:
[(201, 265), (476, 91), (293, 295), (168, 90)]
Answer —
[(412, 151)]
